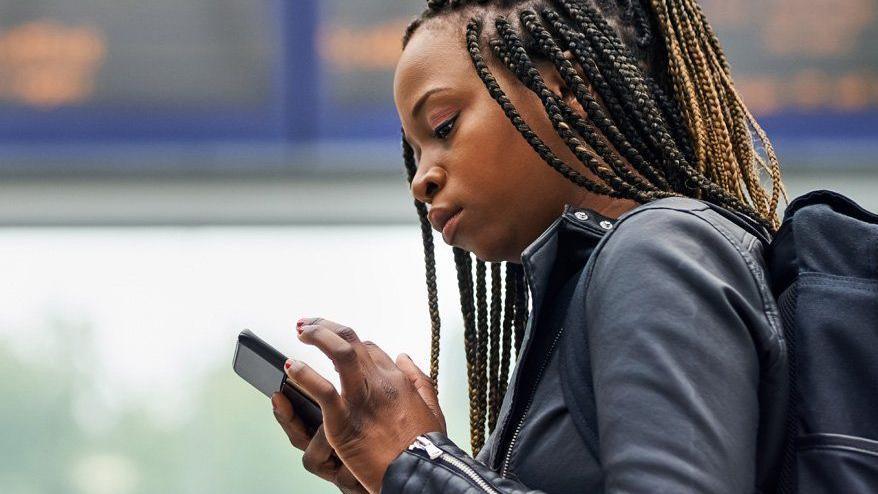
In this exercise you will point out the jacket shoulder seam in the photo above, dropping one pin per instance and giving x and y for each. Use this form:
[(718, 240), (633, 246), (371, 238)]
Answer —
[(768, 308)]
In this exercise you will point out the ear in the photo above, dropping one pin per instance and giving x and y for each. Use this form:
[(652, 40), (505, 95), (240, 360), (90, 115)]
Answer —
[(558, 85)]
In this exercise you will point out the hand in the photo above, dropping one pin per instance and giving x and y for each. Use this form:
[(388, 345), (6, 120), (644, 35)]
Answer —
[(319, 458), (383, 405)]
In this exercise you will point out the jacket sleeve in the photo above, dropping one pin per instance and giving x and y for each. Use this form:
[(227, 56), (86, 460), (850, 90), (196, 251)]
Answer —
[(442, 467), (670, 305)]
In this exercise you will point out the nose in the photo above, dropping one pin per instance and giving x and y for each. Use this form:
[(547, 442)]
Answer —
[(428, 181)]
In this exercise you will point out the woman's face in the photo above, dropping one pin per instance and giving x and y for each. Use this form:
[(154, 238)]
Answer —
[(470, 157)]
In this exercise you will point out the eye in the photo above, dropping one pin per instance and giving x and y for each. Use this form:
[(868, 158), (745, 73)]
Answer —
[(445, 128)]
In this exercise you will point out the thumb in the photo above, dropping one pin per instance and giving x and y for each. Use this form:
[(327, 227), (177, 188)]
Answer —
[(422, 383)]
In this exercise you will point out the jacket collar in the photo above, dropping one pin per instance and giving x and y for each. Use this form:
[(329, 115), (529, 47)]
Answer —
[(575, 234)]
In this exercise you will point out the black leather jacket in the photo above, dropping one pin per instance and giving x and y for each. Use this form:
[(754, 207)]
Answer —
[(653, 361)]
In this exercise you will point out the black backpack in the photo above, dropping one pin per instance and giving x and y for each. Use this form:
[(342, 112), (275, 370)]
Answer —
[(824, 272)]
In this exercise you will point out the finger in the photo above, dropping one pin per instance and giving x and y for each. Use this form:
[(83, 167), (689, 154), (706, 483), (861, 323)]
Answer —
[(379, 356), (314, 385), (289, 421), (318, 458), (341, 330), (422, 383), (348, 361)]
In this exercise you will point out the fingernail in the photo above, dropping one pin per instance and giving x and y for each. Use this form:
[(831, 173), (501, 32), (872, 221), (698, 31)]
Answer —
[(288, 364), (407, 356)]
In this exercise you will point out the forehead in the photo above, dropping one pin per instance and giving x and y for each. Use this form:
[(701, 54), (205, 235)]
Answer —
[(435, 55)]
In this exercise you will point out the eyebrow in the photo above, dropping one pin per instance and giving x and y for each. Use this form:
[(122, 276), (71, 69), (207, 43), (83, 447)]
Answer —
[(419, 105)]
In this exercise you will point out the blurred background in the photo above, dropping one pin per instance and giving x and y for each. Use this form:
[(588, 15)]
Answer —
[(172, 172)]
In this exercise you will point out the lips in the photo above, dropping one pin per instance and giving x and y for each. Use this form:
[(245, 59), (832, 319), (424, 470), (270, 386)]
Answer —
[(440, 215)]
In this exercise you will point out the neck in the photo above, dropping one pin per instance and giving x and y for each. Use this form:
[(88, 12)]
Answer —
[(610, 207)]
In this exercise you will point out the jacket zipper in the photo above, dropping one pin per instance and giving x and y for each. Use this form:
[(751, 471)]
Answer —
[(533, 390), (424, 443)]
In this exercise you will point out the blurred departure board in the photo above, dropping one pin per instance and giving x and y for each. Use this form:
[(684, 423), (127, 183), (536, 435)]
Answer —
[(85, 61), (791, 59), (157, 52), (321, 70), (806, 55)]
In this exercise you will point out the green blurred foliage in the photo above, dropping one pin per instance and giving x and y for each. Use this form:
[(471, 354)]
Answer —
[(230, 444)]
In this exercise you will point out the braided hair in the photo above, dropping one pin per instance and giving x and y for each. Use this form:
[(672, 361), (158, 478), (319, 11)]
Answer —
[(669, 123)]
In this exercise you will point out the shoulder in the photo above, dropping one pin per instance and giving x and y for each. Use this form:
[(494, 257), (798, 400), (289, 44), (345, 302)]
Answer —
[(675, 228), (678, 249), (679, 219)]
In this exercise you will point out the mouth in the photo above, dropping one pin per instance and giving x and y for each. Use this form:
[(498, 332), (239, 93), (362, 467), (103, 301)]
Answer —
[(450, 228), (444, 220)]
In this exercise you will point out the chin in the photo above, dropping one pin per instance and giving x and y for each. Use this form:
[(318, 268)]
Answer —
[(497, 251)]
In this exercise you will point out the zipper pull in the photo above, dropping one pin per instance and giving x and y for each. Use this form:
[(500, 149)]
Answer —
[(422, 442)]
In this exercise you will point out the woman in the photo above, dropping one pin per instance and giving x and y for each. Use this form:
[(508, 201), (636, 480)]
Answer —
[(652, 359)]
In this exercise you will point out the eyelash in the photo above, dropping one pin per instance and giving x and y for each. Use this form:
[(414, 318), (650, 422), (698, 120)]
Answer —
[(445, 127)]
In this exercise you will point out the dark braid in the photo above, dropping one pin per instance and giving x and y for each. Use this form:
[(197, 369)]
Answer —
[(508, 317), (463, 261), (661, 118), (642, 25), (482, 345), (430, 263), (494, 356), (585, 56)]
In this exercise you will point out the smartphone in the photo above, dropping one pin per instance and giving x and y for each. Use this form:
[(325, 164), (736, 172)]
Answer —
[(262, 365)]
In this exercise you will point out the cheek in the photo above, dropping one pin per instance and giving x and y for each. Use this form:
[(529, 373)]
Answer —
[(512, 191), (507, 187), (500, 161)]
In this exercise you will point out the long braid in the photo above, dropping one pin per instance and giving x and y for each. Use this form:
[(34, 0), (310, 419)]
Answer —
[(482, 347), (430, 263), (508, 317), (719, 144), (671, 127), (628, 84), (463, 261), (494, 355)]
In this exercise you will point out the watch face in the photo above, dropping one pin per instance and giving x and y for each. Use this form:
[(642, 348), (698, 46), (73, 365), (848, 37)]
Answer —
[(257, 371)]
